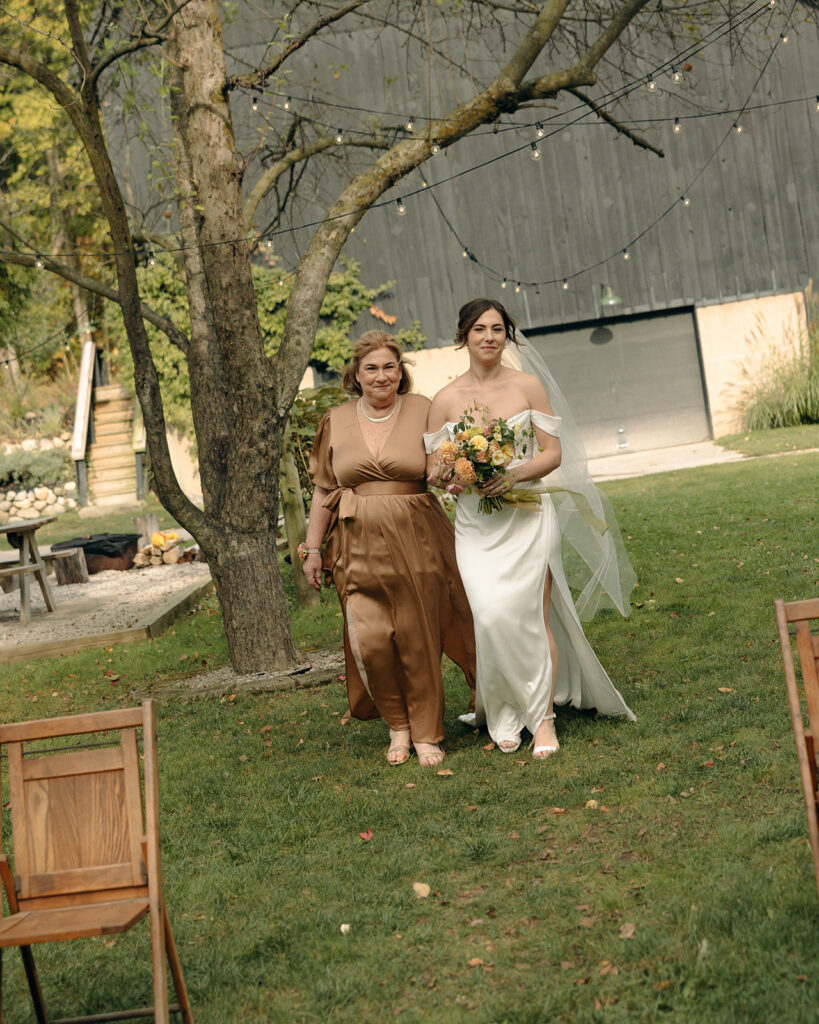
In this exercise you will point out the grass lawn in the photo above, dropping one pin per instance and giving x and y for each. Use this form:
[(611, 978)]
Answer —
[(686, 894), (773, 442)]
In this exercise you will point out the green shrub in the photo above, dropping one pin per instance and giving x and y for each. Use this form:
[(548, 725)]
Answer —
[(784, 390), (21, 469)]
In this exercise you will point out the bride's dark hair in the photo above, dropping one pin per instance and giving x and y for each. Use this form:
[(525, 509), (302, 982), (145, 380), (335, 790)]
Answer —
[(469, 314)]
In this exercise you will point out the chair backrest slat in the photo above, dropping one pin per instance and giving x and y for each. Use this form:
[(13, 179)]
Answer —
[(77, 822)]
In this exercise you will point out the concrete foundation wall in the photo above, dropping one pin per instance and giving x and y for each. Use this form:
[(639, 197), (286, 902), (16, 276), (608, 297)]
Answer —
[(734, 339)]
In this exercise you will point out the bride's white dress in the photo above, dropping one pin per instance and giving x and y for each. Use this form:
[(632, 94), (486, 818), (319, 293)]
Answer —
[(503, 558)]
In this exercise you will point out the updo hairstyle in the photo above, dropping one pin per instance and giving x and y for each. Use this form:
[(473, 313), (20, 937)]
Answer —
[(471, 311)]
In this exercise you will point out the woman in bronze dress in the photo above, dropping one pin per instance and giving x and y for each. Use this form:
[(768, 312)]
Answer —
[(390, 552)]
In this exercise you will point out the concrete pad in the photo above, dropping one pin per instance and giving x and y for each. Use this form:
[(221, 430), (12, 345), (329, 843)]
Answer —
[(660, 460)]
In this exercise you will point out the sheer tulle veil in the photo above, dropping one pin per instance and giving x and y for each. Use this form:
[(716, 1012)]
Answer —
[(595, 559)]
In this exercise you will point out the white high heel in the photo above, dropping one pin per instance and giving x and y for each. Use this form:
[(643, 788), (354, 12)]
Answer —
[(541, 753), (509, 746)]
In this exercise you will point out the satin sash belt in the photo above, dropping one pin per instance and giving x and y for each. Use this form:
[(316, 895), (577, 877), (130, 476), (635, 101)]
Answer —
[(390, 487)]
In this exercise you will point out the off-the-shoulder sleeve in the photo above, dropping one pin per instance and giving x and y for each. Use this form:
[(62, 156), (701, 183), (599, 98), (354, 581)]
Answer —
[(321, 458), (432, 442), (548, 424)]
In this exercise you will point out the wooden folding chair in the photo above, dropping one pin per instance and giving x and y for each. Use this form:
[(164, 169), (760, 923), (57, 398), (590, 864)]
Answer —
[(86, 857), (803, 614)]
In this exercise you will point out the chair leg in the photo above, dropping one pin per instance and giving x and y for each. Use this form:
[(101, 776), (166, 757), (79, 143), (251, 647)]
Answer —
[(176, 970), (34, 984), (161, 1007)]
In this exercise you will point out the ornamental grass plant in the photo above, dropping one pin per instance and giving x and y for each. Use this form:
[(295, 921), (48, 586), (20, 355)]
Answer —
[(656, 870)]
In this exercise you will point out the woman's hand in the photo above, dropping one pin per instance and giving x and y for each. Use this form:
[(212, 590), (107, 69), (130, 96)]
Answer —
[(311, 567), (498, 485)]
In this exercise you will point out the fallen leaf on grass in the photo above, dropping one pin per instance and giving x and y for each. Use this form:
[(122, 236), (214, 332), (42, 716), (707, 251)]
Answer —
[(366, 836), (582, 981), (802, 977), (661, 767), (421, 890), (541, 829), (445, 771), (660, 985), (592, 805), (489, 746), (628, 930), (725, 689), (410, 785), (707, 764), (607, 967), (242, 757), (266, 728), (476, 962), (678, 579), (475, 922), (566, 965), (557, 810), (587, 922)]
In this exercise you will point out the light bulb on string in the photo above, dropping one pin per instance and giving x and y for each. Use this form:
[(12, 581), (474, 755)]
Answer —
[(772, 3), (339, 135), (517, 287), (685, 200), (784, 37), (436, 147), (677, 126), (255, 103), (535, 152), (151, 259), (465, 253), (400, 209), (287, 103), (676, 74), (424, 183), (817, 102), (540, 130), (410, 125), (268, 243), (652, 85), (39, 262), (626, 255), (738, 128), (565, 285), (504, 283)]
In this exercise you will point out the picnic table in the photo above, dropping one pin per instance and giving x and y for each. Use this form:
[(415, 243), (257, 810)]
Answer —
[(21, 535)]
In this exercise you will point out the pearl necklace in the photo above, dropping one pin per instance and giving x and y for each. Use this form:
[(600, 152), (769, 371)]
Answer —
[(378, 419)]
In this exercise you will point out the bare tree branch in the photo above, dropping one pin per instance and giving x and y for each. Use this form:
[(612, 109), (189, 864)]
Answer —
[(258, 78), (149, 36), (604, 115), (91, 284)]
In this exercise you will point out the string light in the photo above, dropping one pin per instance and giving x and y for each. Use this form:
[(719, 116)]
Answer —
[(676, 74), (255, 103), (784, 37), (288, 103), (565, 285), (626, 255), (677, 126), (772, 3), (424, 183), (535, 152), (685, 200), (465, 253), (339, 135), (151, 258), (400, 208), (517, 287), (268, 243), (738, 128), (410, 125), (817, 102), (652, 85), (39, 262), (541, 131), (504, 283), (436, 147)]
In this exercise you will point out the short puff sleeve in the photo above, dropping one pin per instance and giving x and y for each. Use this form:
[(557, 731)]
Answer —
[(321, 458)]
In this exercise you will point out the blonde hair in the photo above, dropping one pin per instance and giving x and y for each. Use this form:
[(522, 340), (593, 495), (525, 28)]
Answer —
[(369, 342)]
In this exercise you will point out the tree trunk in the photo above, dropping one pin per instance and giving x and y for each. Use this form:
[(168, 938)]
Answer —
[(295, 524), (254, 608)]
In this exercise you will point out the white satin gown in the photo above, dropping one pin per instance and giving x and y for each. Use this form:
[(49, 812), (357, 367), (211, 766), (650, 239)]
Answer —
[(503, 558)]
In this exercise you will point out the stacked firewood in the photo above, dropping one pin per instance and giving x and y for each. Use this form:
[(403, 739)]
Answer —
[(164, 549)]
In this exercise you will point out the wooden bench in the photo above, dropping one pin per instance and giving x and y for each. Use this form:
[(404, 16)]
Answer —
[(68, 566)]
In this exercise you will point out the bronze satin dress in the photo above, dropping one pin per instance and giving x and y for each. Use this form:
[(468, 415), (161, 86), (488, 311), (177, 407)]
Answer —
[(391, 552)]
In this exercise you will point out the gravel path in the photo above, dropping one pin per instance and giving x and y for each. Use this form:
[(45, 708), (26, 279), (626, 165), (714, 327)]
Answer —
[(109, 602)]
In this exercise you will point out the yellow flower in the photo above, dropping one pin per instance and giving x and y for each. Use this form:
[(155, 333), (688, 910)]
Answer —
[(479, 443), (465, 470), (500, 458)]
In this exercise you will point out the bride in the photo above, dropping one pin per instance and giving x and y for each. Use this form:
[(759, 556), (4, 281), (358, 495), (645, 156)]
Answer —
[(531, 649)]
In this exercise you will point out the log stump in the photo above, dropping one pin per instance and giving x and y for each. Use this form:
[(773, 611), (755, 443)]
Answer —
[(70, 566)]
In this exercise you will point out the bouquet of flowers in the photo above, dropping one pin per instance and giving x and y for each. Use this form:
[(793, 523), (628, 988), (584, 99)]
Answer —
[(482, 450)]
